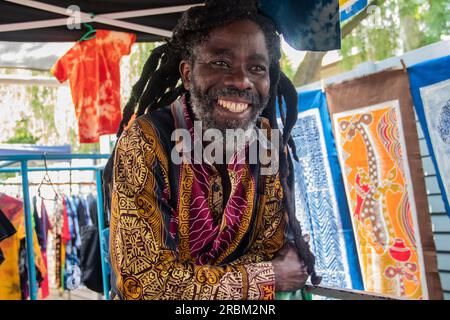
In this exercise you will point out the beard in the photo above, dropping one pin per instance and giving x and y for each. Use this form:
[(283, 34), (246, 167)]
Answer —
[(204, 103)]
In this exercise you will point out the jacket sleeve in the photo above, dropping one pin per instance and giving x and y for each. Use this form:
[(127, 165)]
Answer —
[(143, 246)]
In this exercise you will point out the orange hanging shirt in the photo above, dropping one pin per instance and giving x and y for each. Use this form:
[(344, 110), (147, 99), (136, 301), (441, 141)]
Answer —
[(93, 69)]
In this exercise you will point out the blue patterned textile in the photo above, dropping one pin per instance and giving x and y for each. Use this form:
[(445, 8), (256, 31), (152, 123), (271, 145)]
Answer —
[(321, 206), (430, 89), (306, 24)]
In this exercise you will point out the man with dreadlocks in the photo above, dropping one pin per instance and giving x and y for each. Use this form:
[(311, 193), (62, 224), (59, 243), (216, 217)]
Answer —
[(202, 230)]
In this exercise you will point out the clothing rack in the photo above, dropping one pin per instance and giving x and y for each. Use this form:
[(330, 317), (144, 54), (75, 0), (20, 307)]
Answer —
[(24, 169), (45, 183)]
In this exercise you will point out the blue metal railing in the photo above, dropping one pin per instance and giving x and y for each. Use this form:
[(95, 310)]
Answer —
[(24, 169)]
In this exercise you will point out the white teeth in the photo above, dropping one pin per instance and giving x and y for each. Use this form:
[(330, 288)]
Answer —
[(233, 106)]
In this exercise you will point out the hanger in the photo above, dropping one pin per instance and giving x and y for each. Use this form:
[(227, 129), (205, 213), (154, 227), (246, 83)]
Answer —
[(48, 181), (90, 34)]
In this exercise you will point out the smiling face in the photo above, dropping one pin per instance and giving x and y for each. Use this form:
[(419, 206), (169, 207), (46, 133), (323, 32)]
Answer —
[(228, 78)]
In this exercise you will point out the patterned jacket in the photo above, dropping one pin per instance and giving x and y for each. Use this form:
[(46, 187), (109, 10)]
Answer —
[(171, 238)]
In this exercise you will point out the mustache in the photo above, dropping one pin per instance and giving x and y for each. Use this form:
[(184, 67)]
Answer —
[(214, 94)]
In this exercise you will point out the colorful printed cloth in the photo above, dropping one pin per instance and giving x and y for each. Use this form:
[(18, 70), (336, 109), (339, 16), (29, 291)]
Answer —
[(321, 205), (42, 226), (377, 143), (430, 88), (72, 270), (6, 231), (10, 286), (93, 68), (171, 236), (350, 8)]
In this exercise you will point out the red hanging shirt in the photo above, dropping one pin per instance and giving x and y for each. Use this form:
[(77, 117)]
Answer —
[(93, 68)]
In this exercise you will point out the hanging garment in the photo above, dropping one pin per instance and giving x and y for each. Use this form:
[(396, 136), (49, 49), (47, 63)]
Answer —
[(62, 236), (10, 285), (45, 227), (6, 231), (23, 271), (93, 68), (41, 228), (72, 276), (83, 214), (172, 234), (311, 25), (91, 268), (65, 238), (377, 143), (57, 241)]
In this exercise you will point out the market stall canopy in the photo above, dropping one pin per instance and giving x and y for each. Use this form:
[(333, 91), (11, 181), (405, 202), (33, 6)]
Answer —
[(305, 24), (48, 21)]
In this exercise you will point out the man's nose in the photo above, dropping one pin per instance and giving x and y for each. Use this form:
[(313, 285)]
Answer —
[(239, 79)]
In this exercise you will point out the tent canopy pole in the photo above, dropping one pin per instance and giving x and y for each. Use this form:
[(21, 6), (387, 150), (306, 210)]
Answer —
[(107, 18)]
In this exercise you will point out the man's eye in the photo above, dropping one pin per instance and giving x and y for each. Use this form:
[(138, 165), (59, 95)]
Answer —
[(258, 69), (220, 63)]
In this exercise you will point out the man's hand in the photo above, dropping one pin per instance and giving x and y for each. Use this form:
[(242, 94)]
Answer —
[(290, 271)]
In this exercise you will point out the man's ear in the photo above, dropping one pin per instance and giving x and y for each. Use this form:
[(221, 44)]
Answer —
[(185, 71)]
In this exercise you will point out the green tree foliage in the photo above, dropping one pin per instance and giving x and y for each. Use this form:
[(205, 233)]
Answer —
[(395, 27), (286, 66), (22, 133)]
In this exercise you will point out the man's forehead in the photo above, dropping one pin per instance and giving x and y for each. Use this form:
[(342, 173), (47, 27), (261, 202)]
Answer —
[(237, 35)]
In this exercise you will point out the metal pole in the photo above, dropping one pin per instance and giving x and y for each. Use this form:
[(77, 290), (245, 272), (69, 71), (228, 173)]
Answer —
[(101, 226), (29, 232), (7, 163), (88, 168)]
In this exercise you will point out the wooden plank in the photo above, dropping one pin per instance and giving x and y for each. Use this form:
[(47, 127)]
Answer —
[(443, 260), (78, 294), (432, 185), (347, 294), (445, 280), (442, 242), (436, 204), (420, 131), (423, 148), (440, 223)]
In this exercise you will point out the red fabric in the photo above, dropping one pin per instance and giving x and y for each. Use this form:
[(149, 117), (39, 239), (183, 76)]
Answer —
[(44, 284), (46, 224), (65, 232), (93, 68)]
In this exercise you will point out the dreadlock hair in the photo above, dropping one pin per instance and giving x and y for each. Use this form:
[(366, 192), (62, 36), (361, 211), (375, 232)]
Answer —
[(160, 84)]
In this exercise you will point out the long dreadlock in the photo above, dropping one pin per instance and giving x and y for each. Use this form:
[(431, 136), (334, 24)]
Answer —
[(160, 84)]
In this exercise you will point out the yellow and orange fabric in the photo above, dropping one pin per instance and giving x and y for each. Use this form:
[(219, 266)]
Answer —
[(10, 286)]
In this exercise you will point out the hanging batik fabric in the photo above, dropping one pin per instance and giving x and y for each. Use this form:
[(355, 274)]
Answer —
[(320, 201), (72, 275), (10, 286), (430, 88), (377, 143), (93, 68)]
